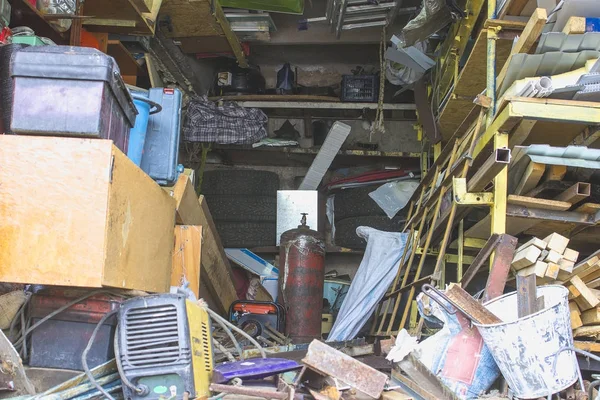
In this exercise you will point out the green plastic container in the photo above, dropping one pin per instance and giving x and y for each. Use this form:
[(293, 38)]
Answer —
[(29, 40), (282, 6)]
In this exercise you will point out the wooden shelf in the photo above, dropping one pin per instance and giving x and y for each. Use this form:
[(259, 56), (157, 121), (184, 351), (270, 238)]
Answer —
[(315, 150), (334, 105), (133, 17), (24, 14)]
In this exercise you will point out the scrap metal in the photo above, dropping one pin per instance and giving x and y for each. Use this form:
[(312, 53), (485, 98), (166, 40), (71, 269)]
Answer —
[(326, 360)]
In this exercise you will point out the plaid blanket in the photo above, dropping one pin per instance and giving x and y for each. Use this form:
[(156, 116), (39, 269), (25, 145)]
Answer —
[(230, 123)]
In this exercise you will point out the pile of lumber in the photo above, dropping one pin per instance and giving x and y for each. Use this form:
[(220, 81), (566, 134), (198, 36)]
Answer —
[(549, 259)]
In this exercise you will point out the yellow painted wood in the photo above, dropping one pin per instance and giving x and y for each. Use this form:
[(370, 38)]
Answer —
[(102, 223), (186, 257)]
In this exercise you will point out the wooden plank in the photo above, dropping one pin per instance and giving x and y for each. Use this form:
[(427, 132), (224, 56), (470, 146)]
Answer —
[(530, 35), (525, 257), (552, 270), (104, 223), (587, 299), (532, 202), (575, 26), (587, 331), (216, 270), (556, 242), (592, 347), (554, 173), (471, 306), (533, 174), (553, 257), (538, 269), (566, 265), (539, 243), (588, 208), (591, 317), (571, 255), (186, 257), (576, 321), (591, 275)]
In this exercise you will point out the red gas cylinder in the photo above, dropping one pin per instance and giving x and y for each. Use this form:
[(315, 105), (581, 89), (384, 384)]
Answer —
[(301, 277)]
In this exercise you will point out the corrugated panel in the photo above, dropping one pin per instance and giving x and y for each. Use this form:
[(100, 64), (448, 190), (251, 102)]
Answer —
[(571, 156), (558, 41), (548, 64)]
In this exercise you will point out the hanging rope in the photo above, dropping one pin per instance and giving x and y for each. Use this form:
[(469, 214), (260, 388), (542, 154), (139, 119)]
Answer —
[(377, 126)]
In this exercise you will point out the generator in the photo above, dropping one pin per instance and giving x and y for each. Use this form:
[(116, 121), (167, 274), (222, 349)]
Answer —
[(164, 347)]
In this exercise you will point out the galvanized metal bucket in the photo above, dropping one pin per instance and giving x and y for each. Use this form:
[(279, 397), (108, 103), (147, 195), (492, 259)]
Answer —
[(525, 348)]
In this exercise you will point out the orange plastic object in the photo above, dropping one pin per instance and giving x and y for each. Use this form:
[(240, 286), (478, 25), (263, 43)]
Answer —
[(255, 308)]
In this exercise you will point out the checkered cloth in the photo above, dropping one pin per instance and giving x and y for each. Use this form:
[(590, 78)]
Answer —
[(230, 123)]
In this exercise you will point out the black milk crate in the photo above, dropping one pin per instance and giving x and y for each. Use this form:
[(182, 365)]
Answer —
[(364, 88)]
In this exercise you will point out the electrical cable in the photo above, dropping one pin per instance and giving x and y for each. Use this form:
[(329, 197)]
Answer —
[(124, 379), (237, 345), (87, 349), (220, 320), (56, 312)]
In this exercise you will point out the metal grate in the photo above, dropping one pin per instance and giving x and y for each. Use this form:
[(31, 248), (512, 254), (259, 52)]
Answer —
[(152, 337)]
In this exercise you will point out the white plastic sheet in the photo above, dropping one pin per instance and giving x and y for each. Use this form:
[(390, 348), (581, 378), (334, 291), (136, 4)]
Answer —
[(393, 196), (375, 274)]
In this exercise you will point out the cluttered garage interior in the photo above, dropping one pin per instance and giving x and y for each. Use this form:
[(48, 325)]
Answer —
[(290, 199)]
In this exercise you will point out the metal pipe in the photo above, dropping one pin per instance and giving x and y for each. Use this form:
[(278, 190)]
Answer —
[(576, 193), (593, 385), (491, 62)]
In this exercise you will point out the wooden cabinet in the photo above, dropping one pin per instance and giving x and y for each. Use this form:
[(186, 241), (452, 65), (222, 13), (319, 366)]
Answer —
[(78, 212)]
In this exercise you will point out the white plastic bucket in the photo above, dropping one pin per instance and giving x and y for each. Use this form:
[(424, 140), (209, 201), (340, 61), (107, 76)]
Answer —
[(525, 348)]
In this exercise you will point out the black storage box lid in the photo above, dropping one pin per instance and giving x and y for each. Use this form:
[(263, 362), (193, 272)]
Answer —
[(74, 63)]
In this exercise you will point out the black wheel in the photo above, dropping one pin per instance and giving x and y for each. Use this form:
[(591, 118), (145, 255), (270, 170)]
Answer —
[(240, 182), (247, 234), (356, 203), (242, 208), (345, 230)]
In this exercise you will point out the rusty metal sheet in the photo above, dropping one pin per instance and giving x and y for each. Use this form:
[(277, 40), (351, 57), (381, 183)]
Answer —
[(328, 361), (503, 256)]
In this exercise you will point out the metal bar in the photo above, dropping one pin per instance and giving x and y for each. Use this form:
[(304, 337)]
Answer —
[(425, 248), (503, 255), (334, 105), (414, 237), (340, 21), (461, 249), (513, 210), (575, 193), (498, 209), (498, 160), (483, 255), (368, 8), (526, 295), (251, 391), (363, 25), (328, 361), (465, 169)]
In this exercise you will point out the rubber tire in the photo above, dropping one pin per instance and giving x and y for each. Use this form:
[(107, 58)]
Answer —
[(240, 182), (345, 230), (247, 234), (242, 208), (356, 203)]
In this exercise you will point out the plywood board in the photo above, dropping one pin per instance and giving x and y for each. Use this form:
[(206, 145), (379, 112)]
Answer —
[(215, 268), (103, 222), (139, 231), (187, 254)]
